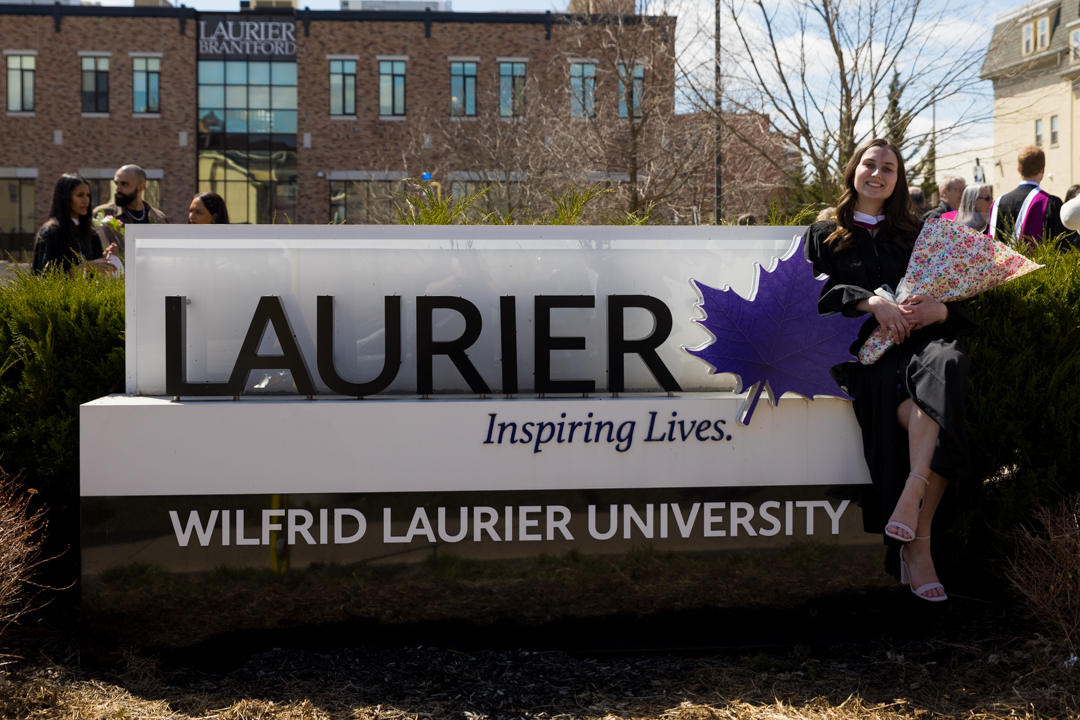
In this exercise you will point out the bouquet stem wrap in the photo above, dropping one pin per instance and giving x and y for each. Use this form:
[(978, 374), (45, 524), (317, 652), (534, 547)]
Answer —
[(950, 262)]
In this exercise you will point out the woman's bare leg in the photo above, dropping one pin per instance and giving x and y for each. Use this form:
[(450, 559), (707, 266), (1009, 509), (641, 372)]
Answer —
[(922, 439)]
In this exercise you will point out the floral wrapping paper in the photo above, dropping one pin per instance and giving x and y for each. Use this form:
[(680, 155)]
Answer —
[(950, 262)]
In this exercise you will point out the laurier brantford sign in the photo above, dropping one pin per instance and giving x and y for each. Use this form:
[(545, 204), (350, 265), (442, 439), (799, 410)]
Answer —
[(257, 37), (348, 391)]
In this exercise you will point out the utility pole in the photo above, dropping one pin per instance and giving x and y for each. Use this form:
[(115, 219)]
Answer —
[(719, 129)]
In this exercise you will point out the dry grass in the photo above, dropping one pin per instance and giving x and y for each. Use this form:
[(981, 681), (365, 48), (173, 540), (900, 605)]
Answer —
[(21, 531), (874, 682)]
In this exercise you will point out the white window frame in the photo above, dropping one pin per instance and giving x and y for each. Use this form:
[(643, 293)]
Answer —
[(1044, 32), (1038, 132), (1028, 38), (1054, 127)]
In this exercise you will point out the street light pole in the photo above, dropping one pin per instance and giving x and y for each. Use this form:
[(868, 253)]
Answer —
[(716, 108)]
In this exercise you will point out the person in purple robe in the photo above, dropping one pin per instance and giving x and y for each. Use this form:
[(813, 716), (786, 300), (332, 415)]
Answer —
[(1028, 212)]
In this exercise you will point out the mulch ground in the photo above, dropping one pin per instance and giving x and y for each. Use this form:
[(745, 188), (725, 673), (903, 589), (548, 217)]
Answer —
[(1006, 671)]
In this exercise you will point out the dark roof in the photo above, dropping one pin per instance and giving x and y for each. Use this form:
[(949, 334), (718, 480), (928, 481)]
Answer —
[(1004, 55)]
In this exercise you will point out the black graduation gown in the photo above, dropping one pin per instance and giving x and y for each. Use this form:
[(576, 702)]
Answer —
[(930, 367), (49, 247)]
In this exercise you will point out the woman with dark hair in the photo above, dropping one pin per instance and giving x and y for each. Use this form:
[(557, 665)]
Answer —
[(208, 208), (910, 403), (68, 239)]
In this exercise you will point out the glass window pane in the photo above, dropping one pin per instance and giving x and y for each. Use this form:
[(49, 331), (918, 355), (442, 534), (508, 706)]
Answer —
[(102, 91), (153, 64), (399, 67), (14, 91), (457, 95), (335, 67), (28, 91), (399, 95), (211, 120), (506, 69), (236, 96), (470, 96), (350, 67), (103, 64), (139, 101), (590, 70), (236, 121), (350, 95), (88, 63), (470, 68), (506, 95), (284, 121), (456, 68), (337, 94), (211, 96), (153, 101), (258, 73), (519, 69), (212, 72), (236, 72), (259, 96), (13, 62), (385, 67), (283, 73), (283, 98), (139, 64), (259, 121), (386, 94)]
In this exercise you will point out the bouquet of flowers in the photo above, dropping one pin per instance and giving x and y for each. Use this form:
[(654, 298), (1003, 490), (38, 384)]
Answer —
[(950, 262), (110, 222)]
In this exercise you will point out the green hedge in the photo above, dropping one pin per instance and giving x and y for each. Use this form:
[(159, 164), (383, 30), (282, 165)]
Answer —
[(1023, 399), (61, 344)]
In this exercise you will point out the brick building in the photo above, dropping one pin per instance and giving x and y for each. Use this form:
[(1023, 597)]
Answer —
[(318, 116)]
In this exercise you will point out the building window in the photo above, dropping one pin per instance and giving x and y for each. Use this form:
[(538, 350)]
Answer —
[(463, 89), (1053, 130), (1044, 32), (364, 202), (1038, 132), (511, 89), (17, 218), (146, 84), (582, 89), (342, 87), (247, 137), (103, 189), (1075, 44), (392, 87), (637, 89), (1028, 38), (20, 83), (95, 84)]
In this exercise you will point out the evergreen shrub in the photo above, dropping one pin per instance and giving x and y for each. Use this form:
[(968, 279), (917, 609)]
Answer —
[(61, 345), (1023, 402)]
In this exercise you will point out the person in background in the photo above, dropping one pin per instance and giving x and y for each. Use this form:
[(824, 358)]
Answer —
[(67, 239), (951, 193), (128, 206), (1072, 192), (910, 403), (918, 201), (746, 219), (208, 209), (1029, 212), (975, 205)]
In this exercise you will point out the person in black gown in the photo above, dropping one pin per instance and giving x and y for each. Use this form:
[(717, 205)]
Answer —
[(910, 403), (68, 239)]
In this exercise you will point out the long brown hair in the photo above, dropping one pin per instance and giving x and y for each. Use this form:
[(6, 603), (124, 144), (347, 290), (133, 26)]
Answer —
[(900, 223)]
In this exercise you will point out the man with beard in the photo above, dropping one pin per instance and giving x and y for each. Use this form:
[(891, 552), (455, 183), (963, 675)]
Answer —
[(129, 206)]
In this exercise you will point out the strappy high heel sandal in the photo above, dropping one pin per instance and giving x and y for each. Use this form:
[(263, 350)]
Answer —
[(905, 578), (895, 524)]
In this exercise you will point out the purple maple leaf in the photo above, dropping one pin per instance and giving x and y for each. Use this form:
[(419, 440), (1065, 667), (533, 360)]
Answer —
[(776, 337)]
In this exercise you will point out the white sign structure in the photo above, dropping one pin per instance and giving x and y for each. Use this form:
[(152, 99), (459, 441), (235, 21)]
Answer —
[(489, 358)]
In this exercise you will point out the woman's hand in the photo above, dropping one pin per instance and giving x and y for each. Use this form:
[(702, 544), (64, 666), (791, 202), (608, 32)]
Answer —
[(99, 265), (924, 311), (894, 318), (112, 251)]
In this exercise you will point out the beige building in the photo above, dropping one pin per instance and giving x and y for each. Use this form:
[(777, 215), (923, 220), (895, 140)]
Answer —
[(1034, 63)]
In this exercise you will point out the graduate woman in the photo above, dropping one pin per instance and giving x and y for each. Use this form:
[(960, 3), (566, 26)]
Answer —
[(910, 403)]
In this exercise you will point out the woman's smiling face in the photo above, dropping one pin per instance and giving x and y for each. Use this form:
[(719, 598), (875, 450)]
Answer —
[(875, 177)]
